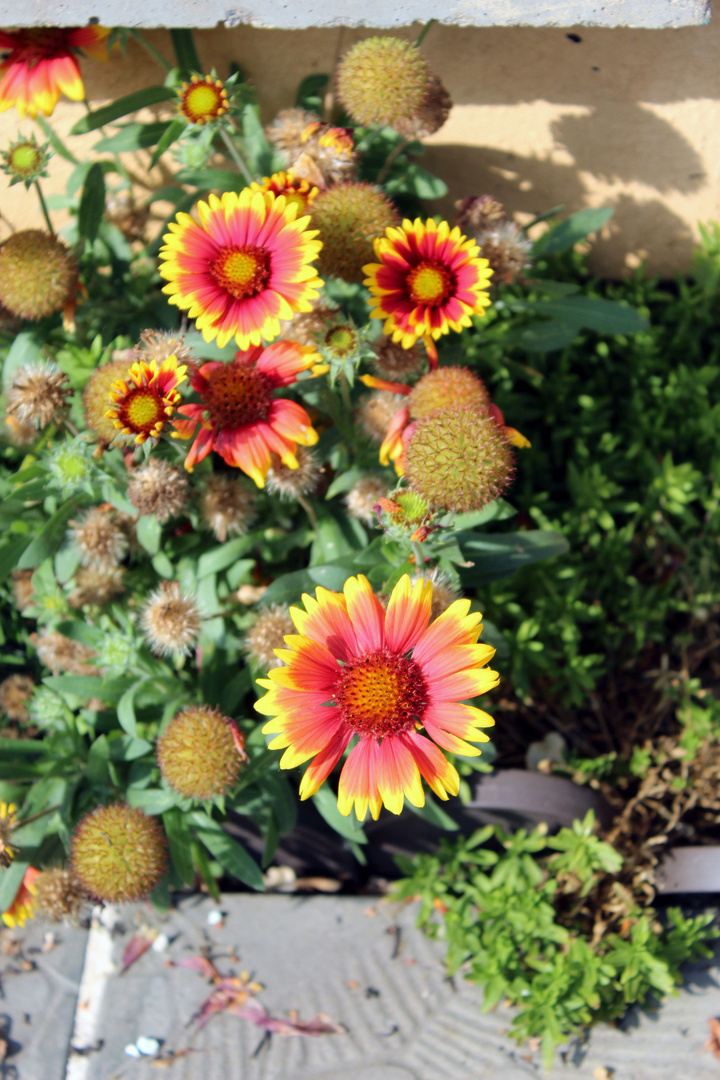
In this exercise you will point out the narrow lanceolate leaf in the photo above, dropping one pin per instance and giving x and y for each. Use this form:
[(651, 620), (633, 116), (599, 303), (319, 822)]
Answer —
[(92, 203), (151, 95)]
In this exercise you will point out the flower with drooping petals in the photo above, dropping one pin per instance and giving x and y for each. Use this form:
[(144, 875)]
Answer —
[(356, 671), (239, 416), (243, 267), (143, 401), (428, 281), (23, 906), (40, 65), (203, 100), (296, 189)]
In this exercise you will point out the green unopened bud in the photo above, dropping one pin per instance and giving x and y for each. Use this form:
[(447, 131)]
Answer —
[(200, 753), (118, 853), (71, 466), (26, 161)]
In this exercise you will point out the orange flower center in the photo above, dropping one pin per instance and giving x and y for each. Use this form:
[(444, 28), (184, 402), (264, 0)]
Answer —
[(430, 283), (242, 271), (381, 693), (142, 410), (236, 395), (202, 101)]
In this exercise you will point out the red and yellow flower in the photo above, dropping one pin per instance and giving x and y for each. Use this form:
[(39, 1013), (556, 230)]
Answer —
[(244, 266), (355, 671), (428, 281), (203, 99), (239, 416), (40, 65), (143, 402), (23, 906)]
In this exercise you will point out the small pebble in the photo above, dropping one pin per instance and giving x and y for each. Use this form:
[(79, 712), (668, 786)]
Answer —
[(148, 1046), (215, 918), (161, 943), (132, 1051)]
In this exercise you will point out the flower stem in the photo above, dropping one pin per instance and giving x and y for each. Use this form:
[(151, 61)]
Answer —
[(156, 55), (396, 150), (308, 510), (424, 32), (419, 557), (233, 152), (43, 207), (345, 392)]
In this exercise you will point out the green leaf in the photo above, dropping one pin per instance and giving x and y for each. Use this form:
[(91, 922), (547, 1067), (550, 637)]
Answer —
[(202, 864), (541, 337), (153, 800), (172, 132), (126, 709), (140, 99), (604, 316), (92, 203), (149, 531), (23, 350), (10, 555), (311, 92), (434, 814), (344, 481), (502, 554), (49, 538), (571, 231), (81, 686), (132, 137), (21, 746), (10, 882), (185, 51), (210, 179), (232, 857), (326, 804), (54, 139), (179, 840), (223, 556), (96, 769)]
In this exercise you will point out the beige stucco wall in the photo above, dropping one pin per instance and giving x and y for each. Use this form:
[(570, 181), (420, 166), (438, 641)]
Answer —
[(628, 118)]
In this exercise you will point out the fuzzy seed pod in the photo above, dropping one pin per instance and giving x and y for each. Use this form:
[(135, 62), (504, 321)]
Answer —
[(375, 412), (362, 498), (395, 363), (96, 401), (101, 538), (61, 653), (200, 753), (459, 459), (158, 345), (15, 693), (286, 132), (170, 621), (268, 634), (60, 896), (431, 115), (444, 593), (227, 506), (349, 217), (478, 213), (38, 394), (507, 249), (158, 488), (118, 853), (38, 275), (96, 588), (444, 387), (307, 327), (22, 588), (290, 483), (382, 80)]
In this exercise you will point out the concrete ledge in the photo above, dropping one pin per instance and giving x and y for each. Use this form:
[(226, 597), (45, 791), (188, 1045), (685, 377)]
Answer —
[(282, 14)]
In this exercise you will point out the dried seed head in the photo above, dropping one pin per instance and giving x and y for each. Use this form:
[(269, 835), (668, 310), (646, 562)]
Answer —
[(328, 155), (290, 483), (507, 249), (286, 132), (307, 327), (431, 115), (478, 213), (349, 217), (171, 621), (158, 488), (227, 506), (22, 588), (382, 80), (96, 588), (362, 498), (395, 363), (118, 853), (38, 394), (15, 693), (60, 896), (444, 592), (96, 400), (18, 433), (459, 459), (158, 345), (375, 412), (444, 387), (200, 753), (99, 535), (269, 632), (38, 275), (61, 653)]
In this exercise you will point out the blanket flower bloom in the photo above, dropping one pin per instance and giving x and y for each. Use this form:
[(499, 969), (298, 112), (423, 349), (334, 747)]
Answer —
[(428, 280), (40, 65), (8, 821), (296, 189), (238, 415), (142, 402), (354, 670), (202, 100), (243, 267), (23, 906)]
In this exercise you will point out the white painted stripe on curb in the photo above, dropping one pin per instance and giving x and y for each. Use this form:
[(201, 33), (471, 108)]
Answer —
[(97, 970)]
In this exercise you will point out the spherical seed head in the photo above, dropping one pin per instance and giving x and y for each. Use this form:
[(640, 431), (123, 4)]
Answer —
[(118, 853), (307, 327), (38, 393), (38, 275), (197, 753), (15, 693), (393, 362), (459, 459), (227, 506), (290, 483), (61, 653), (96, 588), (382, 80), (103, 543), (96, 400), (170, 621), (60, 896), (158, 345), (507, 249), (269, 633), (477, 213), (362, 498), (159, 489), (431, 115), (375, 412), (444, 387), (349, 217), (286, 132)]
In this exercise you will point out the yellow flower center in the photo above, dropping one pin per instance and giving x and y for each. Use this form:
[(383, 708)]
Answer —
[(236, 394), (429, 283), (144, 410), (381, 693), (242, 271), (203, 100)]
